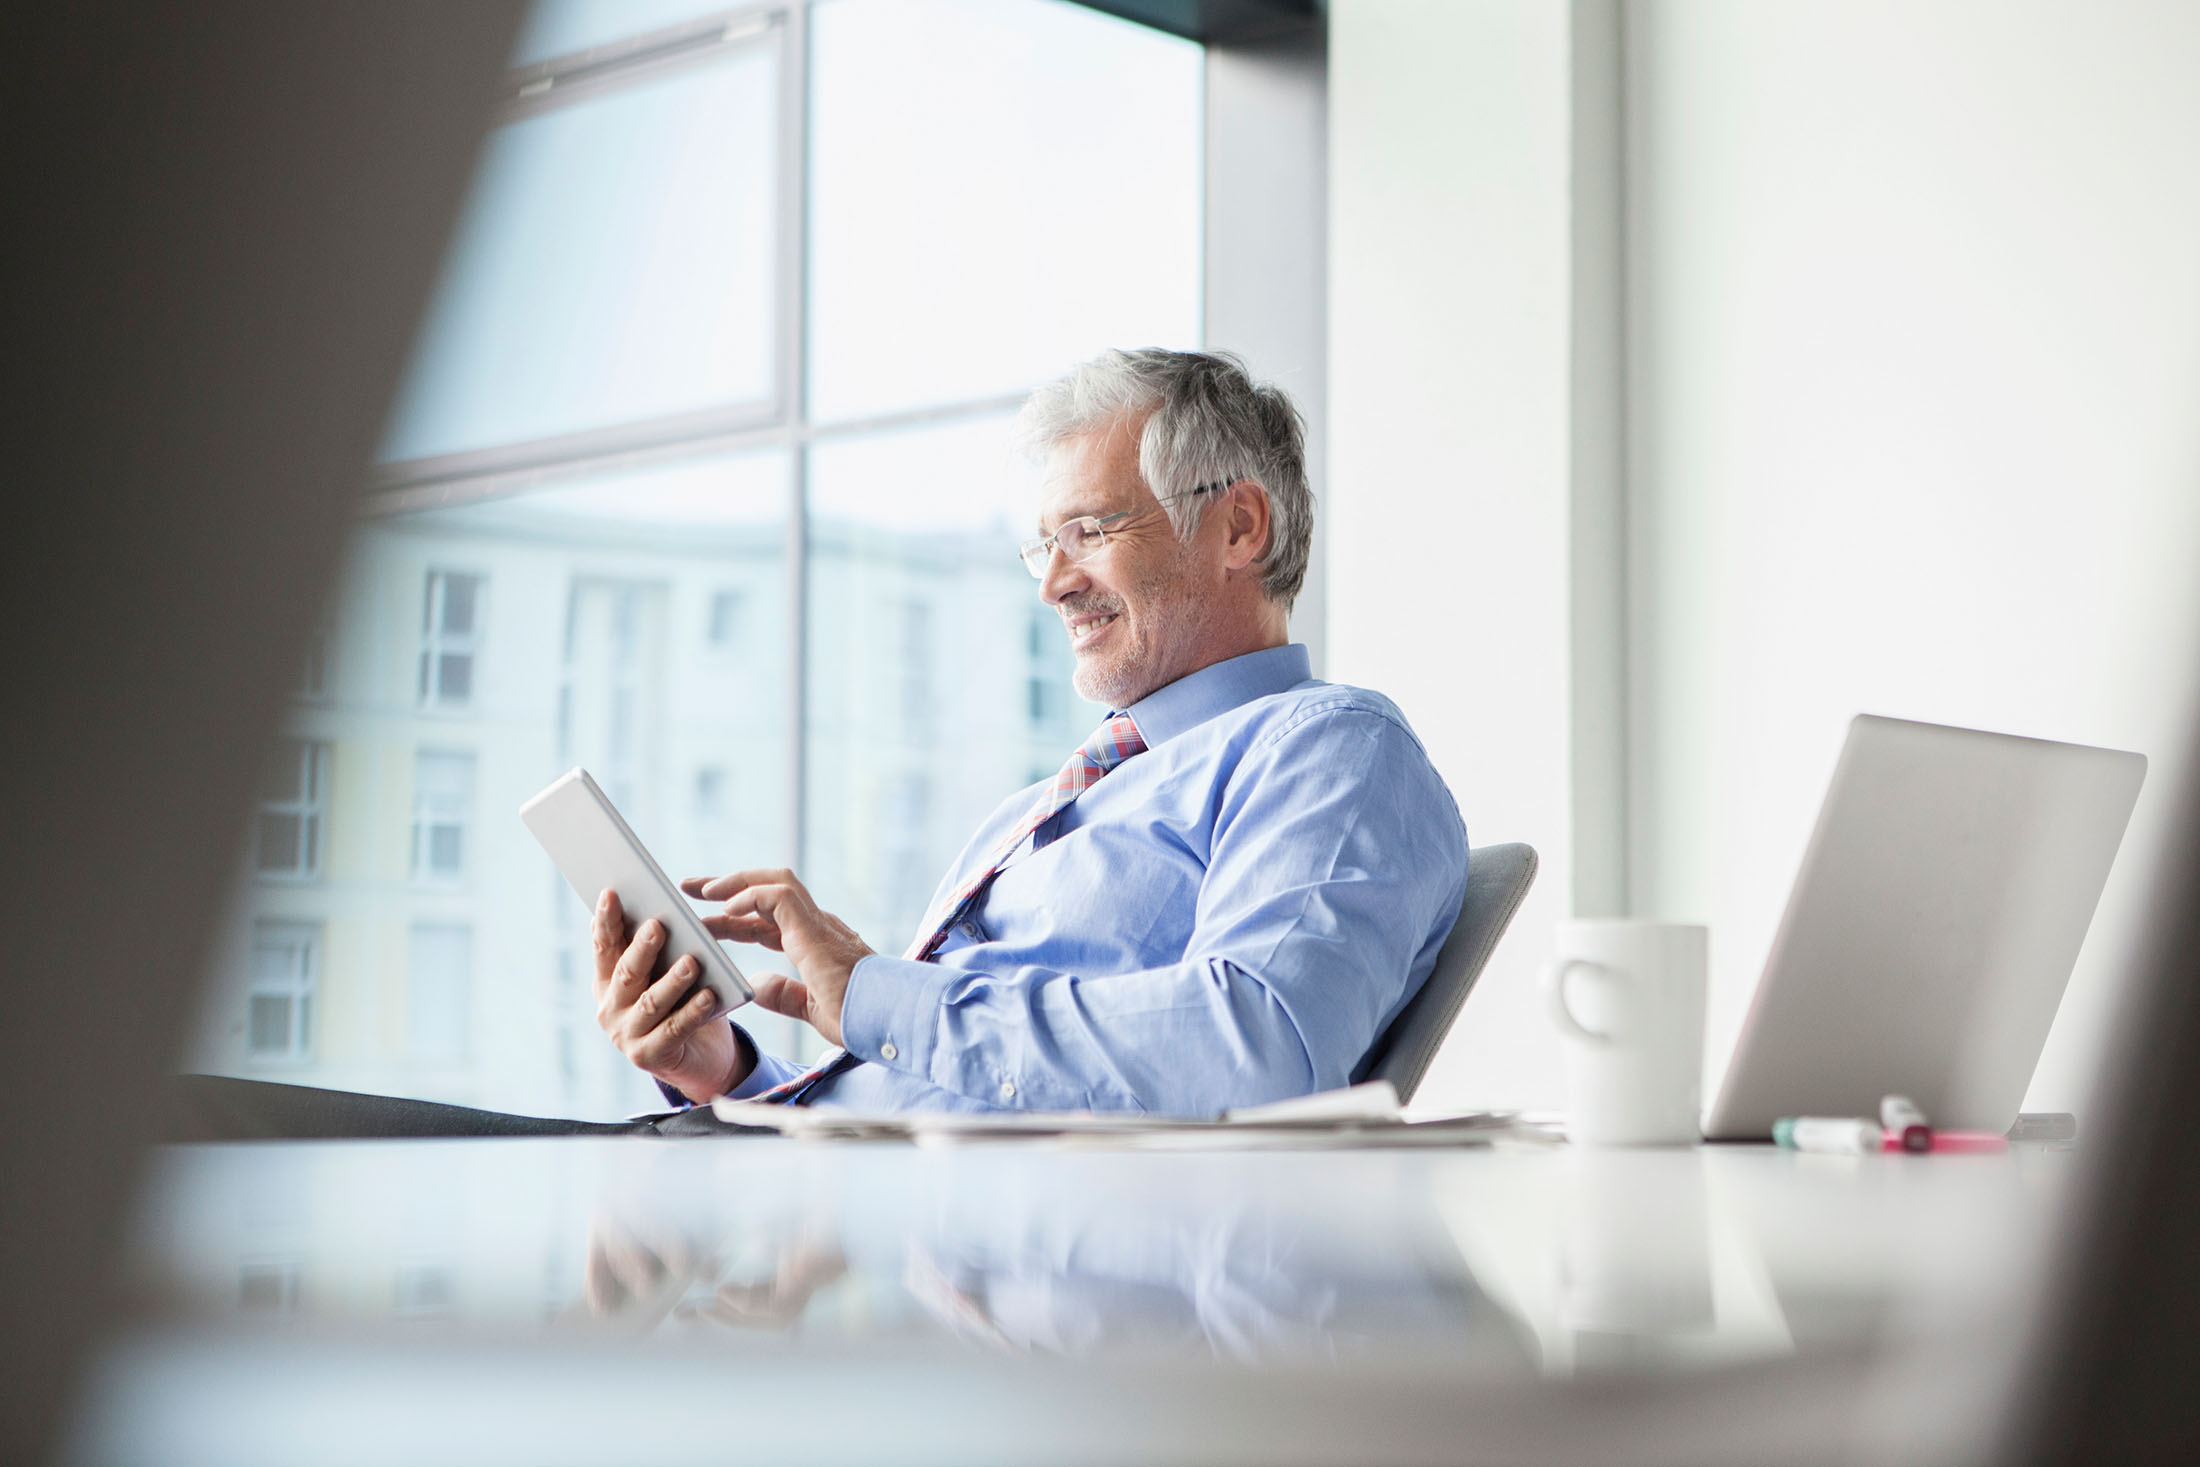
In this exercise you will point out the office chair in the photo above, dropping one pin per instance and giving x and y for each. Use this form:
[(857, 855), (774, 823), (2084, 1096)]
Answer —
[(1498, 878)]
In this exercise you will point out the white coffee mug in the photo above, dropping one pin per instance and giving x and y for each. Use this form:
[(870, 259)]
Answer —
[(1628, 999)]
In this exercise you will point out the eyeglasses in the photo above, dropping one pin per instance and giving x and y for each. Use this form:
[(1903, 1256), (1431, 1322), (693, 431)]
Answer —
[(1080, 538)]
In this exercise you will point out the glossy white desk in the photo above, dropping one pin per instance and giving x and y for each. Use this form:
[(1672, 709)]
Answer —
[(705, 1300)]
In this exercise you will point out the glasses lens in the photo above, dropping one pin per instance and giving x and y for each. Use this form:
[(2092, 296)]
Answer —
[(1079, 538)]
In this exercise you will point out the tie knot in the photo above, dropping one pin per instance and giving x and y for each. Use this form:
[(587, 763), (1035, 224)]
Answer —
[(1113, 742)]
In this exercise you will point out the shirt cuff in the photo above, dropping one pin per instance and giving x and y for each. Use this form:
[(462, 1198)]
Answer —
[(767, 1073), (678, 1097), (889, 1013)]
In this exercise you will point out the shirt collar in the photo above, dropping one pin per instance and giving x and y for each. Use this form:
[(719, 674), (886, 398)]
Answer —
[(1217, 688)]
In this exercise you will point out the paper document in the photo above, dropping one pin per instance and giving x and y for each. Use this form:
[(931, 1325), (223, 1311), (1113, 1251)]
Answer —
[(1359, 1115)]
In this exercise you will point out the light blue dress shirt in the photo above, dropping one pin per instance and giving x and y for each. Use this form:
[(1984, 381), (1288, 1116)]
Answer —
[(1228, 918)]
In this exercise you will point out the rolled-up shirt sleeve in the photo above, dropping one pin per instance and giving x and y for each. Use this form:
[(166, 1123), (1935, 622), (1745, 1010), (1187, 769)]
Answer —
[(1336, 862)]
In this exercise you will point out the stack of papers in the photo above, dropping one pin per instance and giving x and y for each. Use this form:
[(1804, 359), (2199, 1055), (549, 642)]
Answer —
[(1358, 1116)]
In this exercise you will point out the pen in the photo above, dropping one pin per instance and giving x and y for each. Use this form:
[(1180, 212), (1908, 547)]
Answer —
[(1907, 1129)]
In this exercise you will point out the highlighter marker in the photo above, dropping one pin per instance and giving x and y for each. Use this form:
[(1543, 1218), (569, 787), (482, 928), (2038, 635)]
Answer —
[(1848, 1135), (1951, 1141)]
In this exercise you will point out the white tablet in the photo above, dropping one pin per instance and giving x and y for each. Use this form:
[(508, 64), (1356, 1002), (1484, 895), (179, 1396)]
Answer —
[(594, 848)]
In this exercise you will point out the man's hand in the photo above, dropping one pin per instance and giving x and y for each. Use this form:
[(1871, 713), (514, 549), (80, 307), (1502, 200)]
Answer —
[(774, 910), (638, 1276), (656, 1022)]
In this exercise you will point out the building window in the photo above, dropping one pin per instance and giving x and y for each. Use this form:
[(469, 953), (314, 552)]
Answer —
[(915, 665), (439, 994), (286, 961), (425, 1291), (905, 810), (564, 1010), (269, 1290), (710, 793), (613, 685), (289, 833), (443, 799), (725, 618), (450, 635), (313, 672)]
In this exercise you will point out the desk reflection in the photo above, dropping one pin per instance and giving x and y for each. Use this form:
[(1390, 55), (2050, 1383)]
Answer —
[(1500, 1263), (1045, 1252), (1233, 1258)]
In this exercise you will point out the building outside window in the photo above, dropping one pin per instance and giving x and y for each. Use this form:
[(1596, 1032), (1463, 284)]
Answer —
[(617, 690), (710, 793), (290, 828), (313, 679), (449, 634), (439, 994), (714, 394), (286, 960), (918, 677), (725, 618), (424, 1291), (443, 799), (268, 1288)]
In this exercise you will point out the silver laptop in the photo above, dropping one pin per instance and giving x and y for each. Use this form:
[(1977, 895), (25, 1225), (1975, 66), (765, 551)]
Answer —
[(1935, 920)]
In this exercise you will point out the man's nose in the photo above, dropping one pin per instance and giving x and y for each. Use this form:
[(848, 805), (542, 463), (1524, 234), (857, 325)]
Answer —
[(1063, 577)]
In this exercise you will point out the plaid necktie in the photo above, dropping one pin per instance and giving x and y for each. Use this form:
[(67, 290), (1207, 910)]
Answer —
[(1112, 743)]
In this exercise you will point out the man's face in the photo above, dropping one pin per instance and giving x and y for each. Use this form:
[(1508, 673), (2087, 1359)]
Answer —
[(1137, 608)]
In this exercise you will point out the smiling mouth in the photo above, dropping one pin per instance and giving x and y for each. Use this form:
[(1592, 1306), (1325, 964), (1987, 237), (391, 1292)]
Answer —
[(1085, 631)]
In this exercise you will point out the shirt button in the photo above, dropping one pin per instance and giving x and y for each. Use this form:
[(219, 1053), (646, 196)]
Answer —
[(970, 930), (1008, 1090), (887, 1051)]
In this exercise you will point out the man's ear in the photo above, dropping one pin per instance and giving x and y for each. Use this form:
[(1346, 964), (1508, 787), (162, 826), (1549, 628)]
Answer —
[(1248, 524)]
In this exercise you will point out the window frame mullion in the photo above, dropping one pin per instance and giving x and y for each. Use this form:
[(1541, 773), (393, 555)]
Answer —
[(794, 346)]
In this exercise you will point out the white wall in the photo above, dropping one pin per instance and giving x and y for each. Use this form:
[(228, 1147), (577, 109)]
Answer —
[(1911, 405), (1914, 317), (1448, 461)]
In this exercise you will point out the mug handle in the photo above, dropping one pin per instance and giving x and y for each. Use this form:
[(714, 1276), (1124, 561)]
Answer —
[(1554, 992)]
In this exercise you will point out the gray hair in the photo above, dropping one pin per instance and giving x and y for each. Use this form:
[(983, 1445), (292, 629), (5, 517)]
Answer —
[(1206, 419)]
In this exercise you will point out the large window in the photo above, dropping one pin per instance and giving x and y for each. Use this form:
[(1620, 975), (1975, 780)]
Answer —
[(699, 479)]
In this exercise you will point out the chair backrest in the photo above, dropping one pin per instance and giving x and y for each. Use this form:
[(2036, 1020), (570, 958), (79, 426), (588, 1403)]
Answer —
[(1498, 877)]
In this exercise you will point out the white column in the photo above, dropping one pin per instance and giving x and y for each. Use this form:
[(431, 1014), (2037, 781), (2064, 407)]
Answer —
[(1266, 229), (1454, 488)]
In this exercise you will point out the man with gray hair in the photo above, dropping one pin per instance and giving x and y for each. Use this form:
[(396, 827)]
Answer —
[(1224, 896)]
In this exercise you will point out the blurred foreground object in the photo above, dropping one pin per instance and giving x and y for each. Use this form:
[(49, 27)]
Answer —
[(223, 221)]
